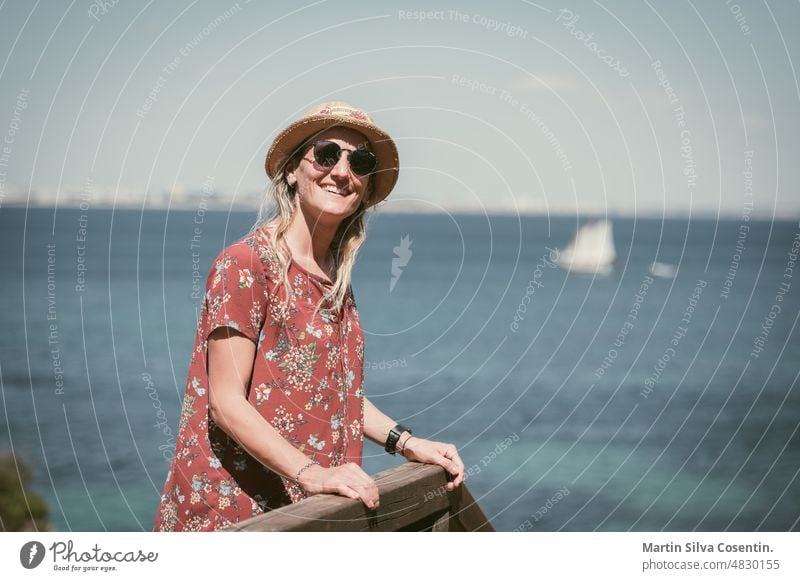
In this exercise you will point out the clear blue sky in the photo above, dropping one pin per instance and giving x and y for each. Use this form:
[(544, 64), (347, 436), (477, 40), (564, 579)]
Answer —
[(570, 117)]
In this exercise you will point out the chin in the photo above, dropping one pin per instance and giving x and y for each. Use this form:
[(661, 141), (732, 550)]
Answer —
[(343, 209), (328, 213)]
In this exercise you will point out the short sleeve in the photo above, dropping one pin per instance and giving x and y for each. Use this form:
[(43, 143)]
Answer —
[(237, 292)]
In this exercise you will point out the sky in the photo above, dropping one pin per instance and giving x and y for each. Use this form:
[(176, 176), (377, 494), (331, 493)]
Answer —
[(619, 108)]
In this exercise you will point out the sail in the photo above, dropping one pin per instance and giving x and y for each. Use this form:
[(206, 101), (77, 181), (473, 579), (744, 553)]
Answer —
[(662, 270), (592, 251)]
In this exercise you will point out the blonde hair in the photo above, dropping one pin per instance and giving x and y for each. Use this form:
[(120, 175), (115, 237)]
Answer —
[(276, 213)]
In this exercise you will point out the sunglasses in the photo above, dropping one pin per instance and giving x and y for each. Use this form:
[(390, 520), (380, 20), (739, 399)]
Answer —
[(327, 154)]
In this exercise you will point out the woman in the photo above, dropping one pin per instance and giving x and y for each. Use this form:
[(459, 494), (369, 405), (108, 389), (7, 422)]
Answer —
[(274, 409)]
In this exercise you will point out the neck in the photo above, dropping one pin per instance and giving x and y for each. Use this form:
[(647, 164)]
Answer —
[(310, 239)]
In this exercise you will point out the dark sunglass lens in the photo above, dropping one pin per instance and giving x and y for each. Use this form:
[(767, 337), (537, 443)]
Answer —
[(363, 162), (326, 153)]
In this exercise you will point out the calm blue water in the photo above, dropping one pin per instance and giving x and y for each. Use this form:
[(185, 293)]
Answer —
[(554, 440)]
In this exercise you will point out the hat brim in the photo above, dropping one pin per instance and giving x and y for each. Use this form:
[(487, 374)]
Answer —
[(300, 131)]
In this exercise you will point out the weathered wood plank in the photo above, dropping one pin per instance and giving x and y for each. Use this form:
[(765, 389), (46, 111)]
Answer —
[(441, 524), (404, 500), (465, 514), (412, 496)]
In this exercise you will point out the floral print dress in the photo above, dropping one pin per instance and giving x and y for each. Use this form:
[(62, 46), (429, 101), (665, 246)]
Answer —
[(307, 382)]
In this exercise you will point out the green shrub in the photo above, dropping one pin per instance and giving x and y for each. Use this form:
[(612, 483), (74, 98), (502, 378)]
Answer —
[(21, 509)]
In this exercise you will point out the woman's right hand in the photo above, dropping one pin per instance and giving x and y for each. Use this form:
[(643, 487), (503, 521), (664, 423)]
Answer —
[(346, 480)]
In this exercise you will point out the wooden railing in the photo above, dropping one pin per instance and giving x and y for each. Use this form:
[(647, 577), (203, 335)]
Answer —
[(413, 497)]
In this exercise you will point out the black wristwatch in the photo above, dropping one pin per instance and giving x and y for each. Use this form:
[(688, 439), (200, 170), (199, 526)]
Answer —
[(393, 437)]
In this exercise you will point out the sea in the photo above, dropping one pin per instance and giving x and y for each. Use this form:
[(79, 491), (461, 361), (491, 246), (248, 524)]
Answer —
[(617, 402)]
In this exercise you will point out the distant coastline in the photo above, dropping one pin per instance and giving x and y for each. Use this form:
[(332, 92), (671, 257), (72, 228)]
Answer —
[(211, 197), (251, 202)]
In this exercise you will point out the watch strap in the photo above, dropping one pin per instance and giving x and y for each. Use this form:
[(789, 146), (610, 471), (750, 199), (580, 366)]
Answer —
[(394, 437)]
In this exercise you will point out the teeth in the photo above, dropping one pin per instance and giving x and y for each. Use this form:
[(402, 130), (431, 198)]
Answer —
[(333, 190)]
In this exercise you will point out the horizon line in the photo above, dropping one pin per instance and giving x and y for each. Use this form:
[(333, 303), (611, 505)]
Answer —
[(527, 212)]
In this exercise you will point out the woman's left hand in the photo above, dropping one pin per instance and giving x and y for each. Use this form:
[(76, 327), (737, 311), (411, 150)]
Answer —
[(439, 453)]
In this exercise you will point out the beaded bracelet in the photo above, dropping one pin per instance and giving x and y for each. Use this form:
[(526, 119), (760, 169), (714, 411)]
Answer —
[(303, 469)]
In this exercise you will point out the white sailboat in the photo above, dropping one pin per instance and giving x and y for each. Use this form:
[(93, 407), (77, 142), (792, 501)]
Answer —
[(592, 251), (662, 270)]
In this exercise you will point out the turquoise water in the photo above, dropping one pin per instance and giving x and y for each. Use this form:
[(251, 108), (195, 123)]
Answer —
[(550, 415)]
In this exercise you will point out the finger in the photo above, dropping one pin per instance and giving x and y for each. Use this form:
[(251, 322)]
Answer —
[(460, 465), (449, 468), (354, 483), (355, 477), (449, 451), (454, 465), (345, 490), (368, 495), (452, 454)]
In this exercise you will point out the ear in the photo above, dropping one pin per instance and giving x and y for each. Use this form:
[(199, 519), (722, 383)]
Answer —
[(290, 173)]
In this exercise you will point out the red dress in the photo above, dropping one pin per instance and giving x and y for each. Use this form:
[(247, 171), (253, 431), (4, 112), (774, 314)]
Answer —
[(307, 382)]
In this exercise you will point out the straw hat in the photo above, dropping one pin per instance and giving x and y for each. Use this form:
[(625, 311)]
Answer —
[(338, 114)]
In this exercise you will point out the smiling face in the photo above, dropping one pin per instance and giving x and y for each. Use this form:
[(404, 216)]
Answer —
[(329, 195)]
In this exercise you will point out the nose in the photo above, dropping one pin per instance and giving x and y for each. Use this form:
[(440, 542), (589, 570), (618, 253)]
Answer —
[(341, 170)]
